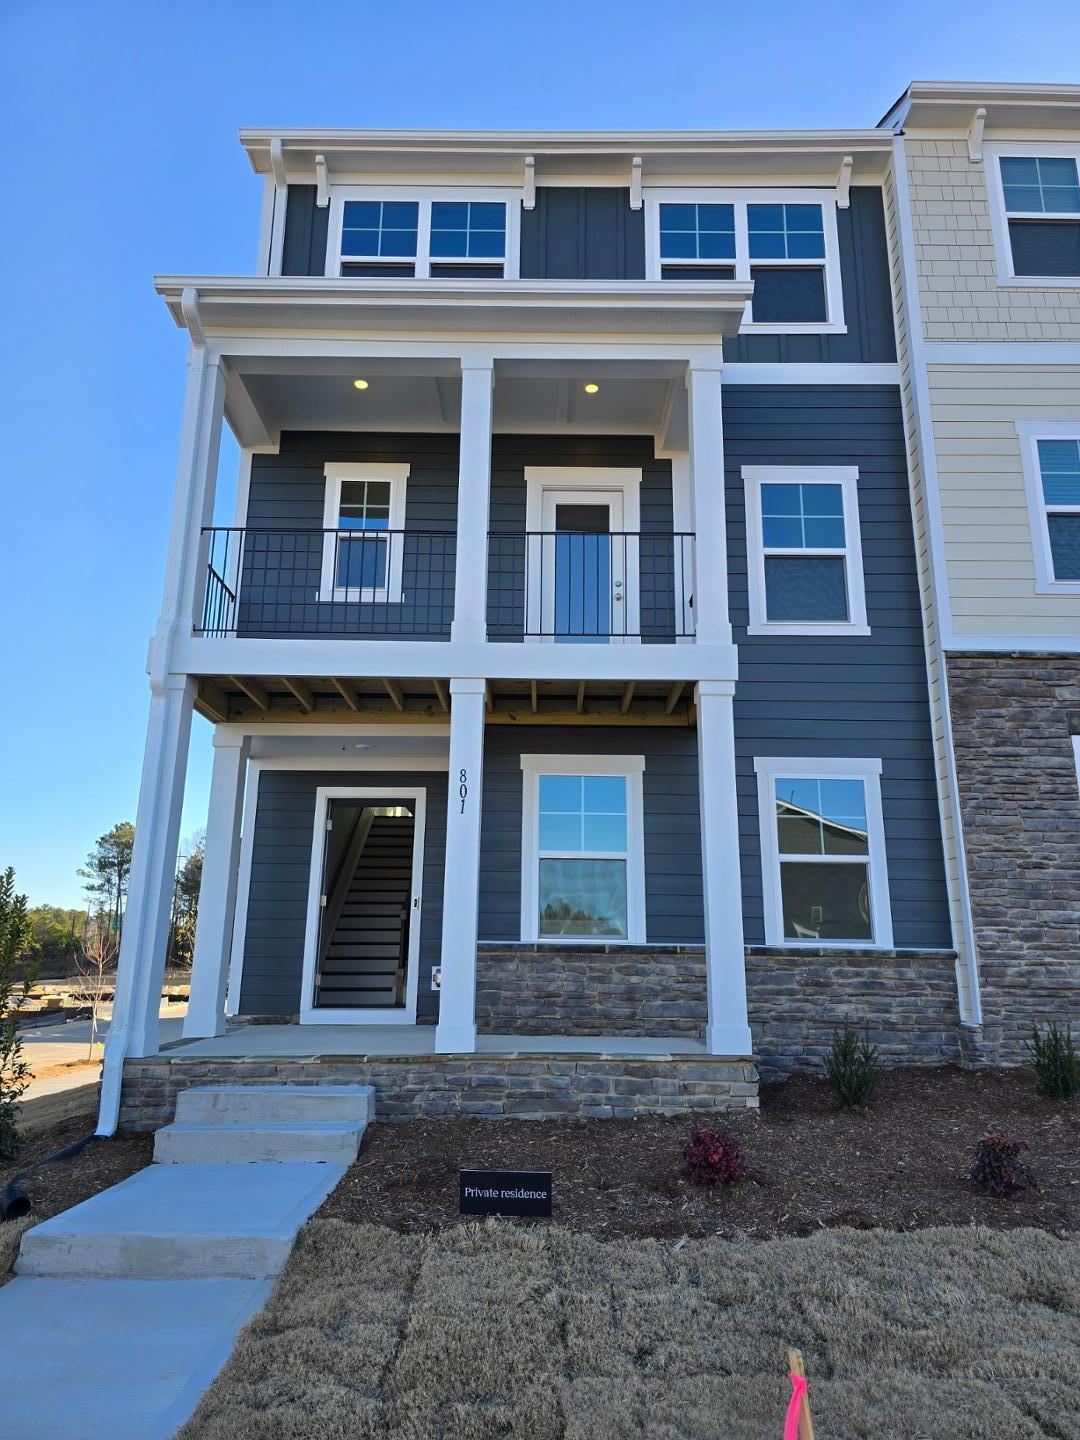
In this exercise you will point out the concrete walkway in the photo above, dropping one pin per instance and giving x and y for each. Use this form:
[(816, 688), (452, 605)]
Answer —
[(124, 1308)]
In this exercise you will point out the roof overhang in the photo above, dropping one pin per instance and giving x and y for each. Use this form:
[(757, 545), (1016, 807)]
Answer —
[(937, 105), (208, 306), (666, 156)]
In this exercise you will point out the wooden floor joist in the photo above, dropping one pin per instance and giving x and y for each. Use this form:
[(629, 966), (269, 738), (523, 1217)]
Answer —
[(534, 696), (441, 695), (489, 697), (580, 696), (524, 717), (303, 695), (393, 689), (627, 696), (212, 702), (347, 693), (255, 692), (674, 695)]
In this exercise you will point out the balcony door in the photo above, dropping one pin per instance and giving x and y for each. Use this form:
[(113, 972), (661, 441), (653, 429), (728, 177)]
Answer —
[(582, 581)]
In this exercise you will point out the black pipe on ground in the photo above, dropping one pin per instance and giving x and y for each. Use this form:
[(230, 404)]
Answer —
[(14, 1202)]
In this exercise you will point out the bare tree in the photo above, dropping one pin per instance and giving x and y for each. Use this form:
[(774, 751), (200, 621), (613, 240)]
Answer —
[(96, 967)]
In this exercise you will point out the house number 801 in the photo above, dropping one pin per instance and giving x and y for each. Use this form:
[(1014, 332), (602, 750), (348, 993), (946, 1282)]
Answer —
[(463, 788)]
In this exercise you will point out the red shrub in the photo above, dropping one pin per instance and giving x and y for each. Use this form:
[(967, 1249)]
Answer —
[(998, 1166), (714, 1157)]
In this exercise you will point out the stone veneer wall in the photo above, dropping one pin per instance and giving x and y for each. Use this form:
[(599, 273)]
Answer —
[(1013, 719), (591, 990), (905, 998), (520, 1088)]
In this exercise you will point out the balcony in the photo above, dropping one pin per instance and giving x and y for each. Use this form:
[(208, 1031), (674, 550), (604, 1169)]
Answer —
[(557, 586)]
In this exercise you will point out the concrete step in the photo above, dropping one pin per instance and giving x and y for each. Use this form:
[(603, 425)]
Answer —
[(171, 1222), (332, 1142), (274, 1104)]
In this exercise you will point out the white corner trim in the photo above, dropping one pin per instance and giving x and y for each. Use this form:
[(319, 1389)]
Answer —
[(336, 472), (310, 1014), (751, 372), (847, 477), (768, 770), (1029, 433), (630, 766)]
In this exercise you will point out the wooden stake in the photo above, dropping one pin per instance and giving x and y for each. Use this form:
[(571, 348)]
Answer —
[(796, 1367)]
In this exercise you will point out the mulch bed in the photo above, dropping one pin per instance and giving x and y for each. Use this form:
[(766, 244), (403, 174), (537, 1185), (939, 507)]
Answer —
[(58, 1186), (901, 1165)]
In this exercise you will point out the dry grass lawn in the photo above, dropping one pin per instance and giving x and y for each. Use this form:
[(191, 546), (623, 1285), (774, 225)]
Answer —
[(543, 1334)]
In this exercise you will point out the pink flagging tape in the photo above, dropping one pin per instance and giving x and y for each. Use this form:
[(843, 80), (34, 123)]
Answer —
[(791, 1421)]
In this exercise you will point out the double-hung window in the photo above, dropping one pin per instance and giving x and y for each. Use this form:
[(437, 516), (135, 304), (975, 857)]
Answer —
[(804, 550), (784, 241), (582, 849), (1036, 212), (1051, 456), (363, 532), (404, 232), (824, 874)]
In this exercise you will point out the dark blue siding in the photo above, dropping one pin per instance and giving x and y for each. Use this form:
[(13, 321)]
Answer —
[(868, 311), (673, 903), (303, 250), (280, 870), (864, 696), (582, 234)]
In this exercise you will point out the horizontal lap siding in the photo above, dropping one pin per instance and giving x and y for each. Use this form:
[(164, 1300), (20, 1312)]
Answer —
[(832, 696), (280, 872), (287, 491), (673, 899)]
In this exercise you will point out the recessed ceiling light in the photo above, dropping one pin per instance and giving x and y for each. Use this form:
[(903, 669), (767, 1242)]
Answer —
[(591, 388), (359, 384), (355, 746)]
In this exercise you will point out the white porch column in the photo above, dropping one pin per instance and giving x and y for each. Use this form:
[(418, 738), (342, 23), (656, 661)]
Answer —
[(456, 1030), (217, 893), (133, 1029), (473, 503), (703, 384), (728, 1030)]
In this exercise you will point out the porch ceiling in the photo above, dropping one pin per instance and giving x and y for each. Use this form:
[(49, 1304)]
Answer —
[(384, 700)]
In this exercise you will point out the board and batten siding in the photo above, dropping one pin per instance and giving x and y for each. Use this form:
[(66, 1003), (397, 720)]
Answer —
[(673, 894), (988, 537), (837, 696), (961, 296), (281, 869)]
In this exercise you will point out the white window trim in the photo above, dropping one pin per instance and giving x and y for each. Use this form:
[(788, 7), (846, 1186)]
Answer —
[(425, 194), (541, 479), (999, 219), (846, 476), (1030, 432), (834, 294), (336, 471), (632, 767), (770, 769), (310, 1013)]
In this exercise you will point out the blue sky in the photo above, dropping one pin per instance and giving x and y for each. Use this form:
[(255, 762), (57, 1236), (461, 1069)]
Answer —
[(122, 161)]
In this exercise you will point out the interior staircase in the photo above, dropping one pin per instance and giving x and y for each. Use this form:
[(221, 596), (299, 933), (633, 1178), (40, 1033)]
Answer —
[(364, 960)]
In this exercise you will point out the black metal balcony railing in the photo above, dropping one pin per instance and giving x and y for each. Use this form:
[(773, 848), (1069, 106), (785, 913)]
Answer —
[(558, 586)]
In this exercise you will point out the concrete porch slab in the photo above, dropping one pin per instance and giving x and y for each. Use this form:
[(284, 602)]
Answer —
[(310, 1042), (115, 1359)]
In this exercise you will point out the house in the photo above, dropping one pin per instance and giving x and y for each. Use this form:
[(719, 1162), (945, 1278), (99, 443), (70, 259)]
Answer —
[(987, 247), (578, 734)]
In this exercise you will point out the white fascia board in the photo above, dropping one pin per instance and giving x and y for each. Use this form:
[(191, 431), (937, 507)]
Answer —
[(406, 660)]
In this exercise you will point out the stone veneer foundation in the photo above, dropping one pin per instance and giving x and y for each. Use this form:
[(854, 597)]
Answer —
[(523, 1088), (1013, 719), (591, 990)]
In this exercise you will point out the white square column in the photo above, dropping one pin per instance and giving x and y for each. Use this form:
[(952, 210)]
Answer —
[(217, 893), (706, 424), (473, 503), (728, 1031), (456, 1030)]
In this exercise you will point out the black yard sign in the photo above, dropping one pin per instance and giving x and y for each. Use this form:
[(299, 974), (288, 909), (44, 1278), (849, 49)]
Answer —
[(504, 1192)]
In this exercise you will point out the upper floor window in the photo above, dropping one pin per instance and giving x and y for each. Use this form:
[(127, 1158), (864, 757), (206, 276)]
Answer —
[(784, 241), (804, 551), (402, 232), (363, 522), (1051, 454), (1036, 213)]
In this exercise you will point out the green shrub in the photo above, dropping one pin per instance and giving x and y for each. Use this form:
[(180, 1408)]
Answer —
[(1056, 1063), (14, 1071), (852, 1068)]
